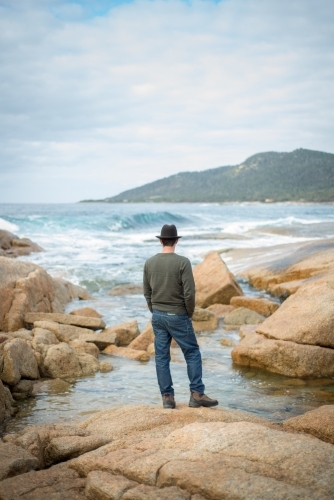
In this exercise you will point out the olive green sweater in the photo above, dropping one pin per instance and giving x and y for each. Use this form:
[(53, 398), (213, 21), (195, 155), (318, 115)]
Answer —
[(169, 284)]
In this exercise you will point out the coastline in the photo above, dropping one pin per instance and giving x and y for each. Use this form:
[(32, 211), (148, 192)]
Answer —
[(74, 451)]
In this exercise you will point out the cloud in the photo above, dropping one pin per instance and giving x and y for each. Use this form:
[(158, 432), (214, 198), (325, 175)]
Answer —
[(94, 102)]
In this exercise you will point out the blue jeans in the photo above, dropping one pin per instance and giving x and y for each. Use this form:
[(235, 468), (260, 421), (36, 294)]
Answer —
[(179, 327)]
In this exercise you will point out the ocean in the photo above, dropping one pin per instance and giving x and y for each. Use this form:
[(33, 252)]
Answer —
[(99, 246)]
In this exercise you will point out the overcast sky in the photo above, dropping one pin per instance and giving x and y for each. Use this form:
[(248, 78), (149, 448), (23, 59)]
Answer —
[(101, 96)]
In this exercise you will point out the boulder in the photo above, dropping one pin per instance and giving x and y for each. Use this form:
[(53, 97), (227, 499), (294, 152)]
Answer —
[(64, 333), (61, 361), (65, 319), (143, 340), (284, 357), (264, 307), (243, 316), (82, 347), (214, 282), (100, 340), (14, 460), (88, 364), (105, 367), (17, 360), (43, 336), (88, 312), (220, 310), (204, 320), (127, 289), (27, 287), (13, 246), (6, 403), (126, 352), (58, 482), (23, 389), (125, 332), (307, 317), (318, 423)]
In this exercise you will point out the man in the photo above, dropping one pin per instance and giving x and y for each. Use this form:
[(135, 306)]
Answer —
[(169, 290)]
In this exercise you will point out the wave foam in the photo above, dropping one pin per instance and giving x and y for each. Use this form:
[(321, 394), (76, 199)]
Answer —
[(8, 226)]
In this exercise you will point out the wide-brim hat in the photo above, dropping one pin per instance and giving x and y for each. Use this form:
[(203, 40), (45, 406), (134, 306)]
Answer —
[(168, 232)]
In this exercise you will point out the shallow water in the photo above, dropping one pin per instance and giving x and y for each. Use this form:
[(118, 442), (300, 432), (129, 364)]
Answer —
[(100, 246)]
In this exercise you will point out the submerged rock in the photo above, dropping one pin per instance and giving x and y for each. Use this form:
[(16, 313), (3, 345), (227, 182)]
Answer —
[(214, 282), (126, 289)]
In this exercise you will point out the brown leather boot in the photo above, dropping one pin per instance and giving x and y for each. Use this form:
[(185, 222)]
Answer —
[(168, 401), (197, 400)]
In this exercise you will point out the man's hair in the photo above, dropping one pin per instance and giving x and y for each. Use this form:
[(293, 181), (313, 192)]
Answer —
[(168, 242)]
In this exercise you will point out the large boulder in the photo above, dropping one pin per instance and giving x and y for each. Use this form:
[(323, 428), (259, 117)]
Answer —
[(243, 316), (65, 319), (307, 317), (214, 282), (61, 361), (26, 287), (143, 340), (262, 306), (318, 423), (284, 357), (17, 360), (6, 403), (204, 320)]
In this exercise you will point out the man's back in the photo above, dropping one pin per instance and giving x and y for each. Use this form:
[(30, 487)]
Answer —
[(169, 284)]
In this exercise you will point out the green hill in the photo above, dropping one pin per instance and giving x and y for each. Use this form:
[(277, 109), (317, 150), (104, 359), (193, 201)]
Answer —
[(302, 175)]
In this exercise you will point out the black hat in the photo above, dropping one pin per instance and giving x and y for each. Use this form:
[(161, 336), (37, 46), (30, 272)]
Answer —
[(168, 232)]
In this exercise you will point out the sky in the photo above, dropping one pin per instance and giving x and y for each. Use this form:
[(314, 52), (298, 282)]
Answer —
[(97, 97)]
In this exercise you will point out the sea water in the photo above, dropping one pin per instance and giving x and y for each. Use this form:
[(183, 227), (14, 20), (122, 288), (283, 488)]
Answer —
[(99, 246)]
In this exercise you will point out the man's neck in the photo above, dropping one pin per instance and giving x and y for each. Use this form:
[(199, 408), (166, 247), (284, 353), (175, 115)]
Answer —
[(168, 249)]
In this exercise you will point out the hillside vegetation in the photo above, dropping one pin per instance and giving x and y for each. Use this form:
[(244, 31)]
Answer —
[(302, 175)]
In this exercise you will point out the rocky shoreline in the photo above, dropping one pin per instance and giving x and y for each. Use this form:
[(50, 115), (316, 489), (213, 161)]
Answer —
[(147, 452)]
